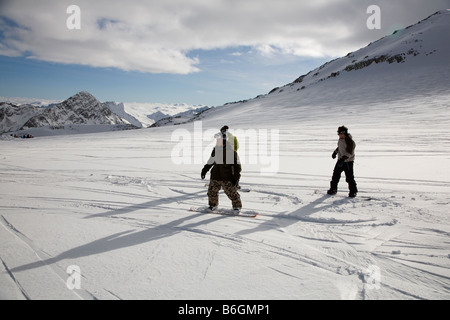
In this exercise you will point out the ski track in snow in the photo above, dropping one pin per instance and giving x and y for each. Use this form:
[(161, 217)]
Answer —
[(300, 234)]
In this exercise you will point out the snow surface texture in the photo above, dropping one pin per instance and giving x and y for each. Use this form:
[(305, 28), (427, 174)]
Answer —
[(116, 205)]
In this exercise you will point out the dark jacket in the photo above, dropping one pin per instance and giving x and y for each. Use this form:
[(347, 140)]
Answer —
[(225, 165)]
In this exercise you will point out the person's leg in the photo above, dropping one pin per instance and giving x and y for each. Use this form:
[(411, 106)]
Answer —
[(350, 178), (335, 179), (232, 192), (213, 193)]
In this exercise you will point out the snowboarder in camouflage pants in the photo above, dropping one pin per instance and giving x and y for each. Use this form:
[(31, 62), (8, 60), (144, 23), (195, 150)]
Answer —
[(225, 173)]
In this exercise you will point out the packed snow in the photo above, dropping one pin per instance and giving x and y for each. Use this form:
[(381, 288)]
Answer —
[(106, 216), (117, 206)]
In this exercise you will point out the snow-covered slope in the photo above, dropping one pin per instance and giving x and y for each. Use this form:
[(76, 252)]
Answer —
[(421, 45), (119, 109), (107, 216), (180, 118), (149, 113), (411, 63)]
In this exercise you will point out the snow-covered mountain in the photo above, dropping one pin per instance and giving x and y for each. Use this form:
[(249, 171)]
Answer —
[(412, 62), (119, 109), (149, 113), (82, 109), (43, 103), (179, 118), (423, 44), (15, 112), (13, 117)]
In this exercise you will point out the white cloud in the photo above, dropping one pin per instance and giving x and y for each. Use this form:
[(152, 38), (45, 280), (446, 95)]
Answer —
[(156, 36)]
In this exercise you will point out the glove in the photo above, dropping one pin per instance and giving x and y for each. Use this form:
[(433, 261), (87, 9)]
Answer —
[(203, 174), (205, 171), (334, 155), (341, 161)]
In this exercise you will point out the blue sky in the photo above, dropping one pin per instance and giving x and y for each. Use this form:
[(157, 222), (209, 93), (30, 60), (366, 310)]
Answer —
[(191, 51), (223, 78)]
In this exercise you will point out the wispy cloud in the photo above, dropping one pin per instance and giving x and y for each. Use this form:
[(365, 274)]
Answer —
[(156, 36)]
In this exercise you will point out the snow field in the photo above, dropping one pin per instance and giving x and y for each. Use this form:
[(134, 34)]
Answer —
[(116, 206)]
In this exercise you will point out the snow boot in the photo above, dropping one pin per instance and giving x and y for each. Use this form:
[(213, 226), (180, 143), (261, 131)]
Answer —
[(332, 192), (353, 191), (333, 188)]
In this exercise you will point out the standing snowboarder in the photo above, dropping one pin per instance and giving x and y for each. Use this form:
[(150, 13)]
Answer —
[(225, 173), (346, 156)]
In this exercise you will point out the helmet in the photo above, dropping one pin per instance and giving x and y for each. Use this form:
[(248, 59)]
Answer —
[(342, 129)]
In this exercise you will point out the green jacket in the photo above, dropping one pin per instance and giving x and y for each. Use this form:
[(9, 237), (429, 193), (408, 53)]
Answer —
[(233, 141)]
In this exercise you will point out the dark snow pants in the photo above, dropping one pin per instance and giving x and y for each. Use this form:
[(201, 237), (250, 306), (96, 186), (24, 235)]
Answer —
[(229, 189), (346, 167)]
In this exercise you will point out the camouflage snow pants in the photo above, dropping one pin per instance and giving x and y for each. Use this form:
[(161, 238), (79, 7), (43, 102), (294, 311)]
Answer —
[(228, 188)]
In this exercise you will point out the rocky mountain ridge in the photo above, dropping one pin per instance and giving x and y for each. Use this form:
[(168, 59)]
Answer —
[(80, 109)]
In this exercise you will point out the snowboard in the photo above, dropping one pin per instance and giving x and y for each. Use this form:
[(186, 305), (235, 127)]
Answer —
[(362, 198), (225, 212)]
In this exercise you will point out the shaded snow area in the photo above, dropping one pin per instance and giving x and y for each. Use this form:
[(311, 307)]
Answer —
[(116, 206)]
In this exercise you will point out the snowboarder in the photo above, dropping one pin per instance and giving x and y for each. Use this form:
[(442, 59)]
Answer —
[(225, 173), (346, 156)]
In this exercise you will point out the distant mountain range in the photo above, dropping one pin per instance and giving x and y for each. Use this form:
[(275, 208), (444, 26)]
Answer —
[(82, 109)]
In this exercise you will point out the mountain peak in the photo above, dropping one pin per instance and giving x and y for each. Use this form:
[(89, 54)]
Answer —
[(81, 98), (84, 94)]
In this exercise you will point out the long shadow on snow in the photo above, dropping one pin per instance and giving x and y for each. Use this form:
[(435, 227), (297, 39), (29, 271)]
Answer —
[(148, 204), (302, 214), (125, 239)]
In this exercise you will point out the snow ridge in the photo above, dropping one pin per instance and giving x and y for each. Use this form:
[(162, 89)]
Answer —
[(423, 40)]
